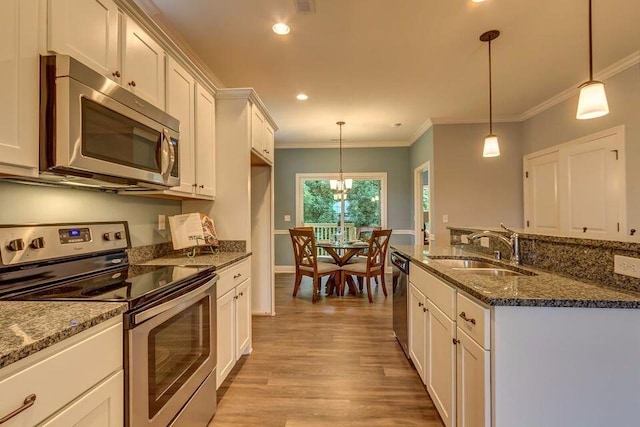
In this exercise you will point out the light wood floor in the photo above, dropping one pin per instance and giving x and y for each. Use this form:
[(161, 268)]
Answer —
[(335, 363)]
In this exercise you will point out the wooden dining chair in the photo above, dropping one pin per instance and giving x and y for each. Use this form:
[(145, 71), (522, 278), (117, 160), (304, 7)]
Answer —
[(306, 258), (374, 267), (321, 258)]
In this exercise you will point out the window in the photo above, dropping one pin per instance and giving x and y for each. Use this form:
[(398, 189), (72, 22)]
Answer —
[(365, 204)]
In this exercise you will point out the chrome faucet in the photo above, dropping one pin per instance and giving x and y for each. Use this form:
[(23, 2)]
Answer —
[(513, 241)]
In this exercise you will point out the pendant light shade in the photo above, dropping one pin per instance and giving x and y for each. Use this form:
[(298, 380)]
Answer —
[(491, 146), (593, 99)]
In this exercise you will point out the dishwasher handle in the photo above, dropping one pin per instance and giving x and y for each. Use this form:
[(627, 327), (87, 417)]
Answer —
[(400, 262)]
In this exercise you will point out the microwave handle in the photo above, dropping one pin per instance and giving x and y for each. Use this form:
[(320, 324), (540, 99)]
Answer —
[(168, 155)]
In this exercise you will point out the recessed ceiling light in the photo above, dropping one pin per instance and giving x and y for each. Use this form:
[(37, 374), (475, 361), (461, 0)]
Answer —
[(396, 125), (302, 97), (478, 1), (281, 29)]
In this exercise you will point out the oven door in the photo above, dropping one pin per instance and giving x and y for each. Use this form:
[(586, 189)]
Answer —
[(171, 351), (98, 135)]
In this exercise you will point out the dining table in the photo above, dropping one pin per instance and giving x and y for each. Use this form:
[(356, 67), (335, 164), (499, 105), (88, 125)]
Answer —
[(342, 252)]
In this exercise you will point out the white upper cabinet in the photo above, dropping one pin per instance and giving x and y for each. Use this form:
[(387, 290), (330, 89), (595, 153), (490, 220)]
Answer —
[(578, 188), (269, 142), (205, 132), (262, 134), (181, 105), (143, 64), (19, 87), (88, 31)]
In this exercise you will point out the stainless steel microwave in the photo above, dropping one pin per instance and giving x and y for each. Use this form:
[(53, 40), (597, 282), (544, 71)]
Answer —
[(92, 128)]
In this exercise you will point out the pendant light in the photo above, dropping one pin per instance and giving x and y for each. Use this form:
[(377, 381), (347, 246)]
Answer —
[(340, 186), (491, 146), (593, 99)]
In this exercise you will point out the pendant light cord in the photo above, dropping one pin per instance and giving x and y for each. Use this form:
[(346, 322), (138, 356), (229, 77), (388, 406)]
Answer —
[(341, 152), (490, 96), (590, 46)]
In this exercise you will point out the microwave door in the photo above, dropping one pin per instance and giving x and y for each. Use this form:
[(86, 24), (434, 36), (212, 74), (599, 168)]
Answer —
[(108, 138)]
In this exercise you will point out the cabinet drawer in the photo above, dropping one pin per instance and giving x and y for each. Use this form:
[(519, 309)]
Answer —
[(442, 295), (62, 377), (232, 276), (478, 321), (418, 277)]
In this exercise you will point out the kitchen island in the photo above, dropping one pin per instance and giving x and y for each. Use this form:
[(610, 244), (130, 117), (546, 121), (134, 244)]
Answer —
[(521, 350)]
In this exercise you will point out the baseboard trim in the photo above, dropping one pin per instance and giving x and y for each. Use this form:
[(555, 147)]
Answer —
[(284, 269)]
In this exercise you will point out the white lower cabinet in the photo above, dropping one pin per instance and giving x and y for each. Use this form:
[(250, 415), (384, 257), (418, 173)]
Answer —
[(418, 329), (233, 317), (473, 383), (77, 382), (441, 363)]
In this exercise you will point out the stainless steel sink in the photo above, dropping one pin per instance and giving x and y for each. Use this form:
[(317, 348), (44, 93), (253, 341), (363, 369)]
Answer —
[(464, 263), (493, 271)]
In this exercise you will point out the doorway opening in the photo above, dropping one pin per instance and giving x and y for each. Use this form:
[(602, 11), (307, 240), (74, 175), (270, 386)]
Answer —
[(423, 198)]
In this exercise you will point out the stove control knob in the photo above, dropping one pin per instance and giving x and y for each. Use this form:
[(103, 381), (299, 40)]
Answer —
[(16, 245), (118, 235), (107, 236), (37, 243)]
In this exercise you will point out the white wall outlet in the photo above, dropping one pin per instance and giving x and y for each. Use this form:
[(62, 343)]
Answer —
[(162, 222), (464, 238), (445, 219), (484, 242), (627, 266), (287, 218)]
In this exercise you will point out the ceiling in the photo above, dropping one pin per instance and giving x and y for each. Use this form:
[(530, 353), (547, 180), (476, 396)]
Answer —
[(373, 63)]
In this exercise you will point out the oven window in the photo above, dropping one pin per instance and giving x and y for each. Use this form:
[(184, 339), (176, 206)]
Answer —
[(177, 348), (110, 136)]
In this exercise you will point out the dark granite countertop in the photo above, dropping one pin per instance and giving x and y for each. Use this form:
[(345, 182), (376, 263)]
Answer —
[(218, 260), (540, 290), (28, 327)]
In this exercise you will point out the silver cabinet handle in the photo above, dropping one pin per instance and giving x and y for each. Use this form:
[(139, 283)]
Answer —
[(464, 317), (28, 402)]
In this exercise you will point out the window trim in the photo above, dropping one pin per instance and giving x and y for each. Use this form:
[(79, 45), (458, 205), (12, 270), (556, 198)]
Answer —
[(382, 176)]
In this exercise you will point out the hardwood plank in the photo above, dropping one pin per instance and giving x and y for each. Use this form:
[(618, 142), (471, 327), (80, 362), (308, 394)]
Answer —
[(335, 362)]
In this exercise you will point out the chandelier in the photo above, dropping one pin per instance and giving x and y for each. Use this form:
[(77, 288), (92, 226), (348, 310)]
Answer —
[(340, 186)]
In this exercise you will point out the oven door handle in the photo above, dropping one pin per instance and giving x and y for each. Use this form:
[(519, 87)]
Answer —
[(185, 299)]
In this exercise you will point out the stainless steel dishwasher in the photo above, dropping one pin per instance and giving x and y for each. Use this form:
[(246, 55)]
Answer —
[(400, 265)]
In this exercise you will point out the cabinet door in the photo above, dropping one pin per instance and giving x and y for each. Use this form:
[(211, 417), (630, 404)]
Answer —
[(19, 87), (181, 105), (103, 406), (243, 318), (205, 142), (257, 130), (595, 186), (542, 208), (226, 329), (143, 65), (417, 329), (269, 142), (441, 363), (473, 383), (86, 30)]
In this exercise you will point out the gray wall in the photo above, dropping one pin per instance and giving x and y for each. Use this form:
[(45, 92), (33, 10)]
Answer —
[(20, 203), (559, 124), (393, 161), (473, 190)]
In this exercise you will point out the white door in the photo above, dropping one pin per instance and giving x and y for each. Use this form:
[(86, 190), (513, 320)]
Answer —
[(181, 105), (441, 363), (102, 406), (19, 69), (417, 329), (205, 142), (143, 65), (542, 206), (243, 318), (226, 332), (88, 31), (473, 383), (269, 142), (595, 185), (257, 130)]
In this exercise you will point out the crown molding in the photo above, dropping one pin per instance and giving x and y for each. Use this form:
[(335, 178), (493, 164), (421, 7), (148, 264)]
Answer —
[(452, 121), (428, 124), (247, 93), (604, 74), (372, 144)]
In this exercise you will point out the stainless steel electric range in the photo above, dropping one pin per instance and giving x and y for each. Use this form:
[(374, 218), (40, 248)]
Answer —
[(169, 327)]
